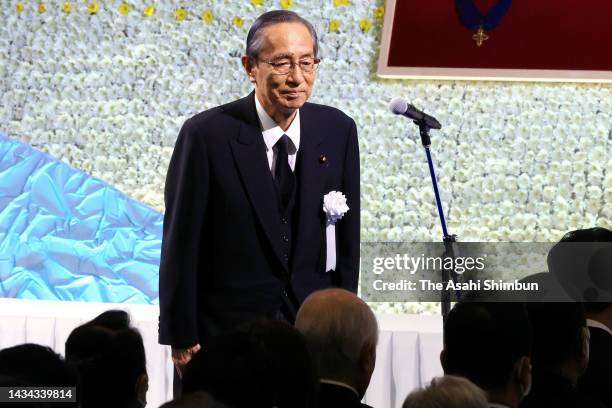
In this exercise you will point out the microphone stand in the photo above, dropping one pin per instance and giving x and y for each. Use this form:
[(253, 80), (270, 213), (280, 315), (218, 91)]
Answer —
[(449, 240)]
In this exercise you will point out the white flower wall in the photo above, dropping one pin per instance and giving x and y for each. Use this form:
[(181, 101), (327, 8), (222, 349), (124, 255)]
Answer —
[(106, 85)]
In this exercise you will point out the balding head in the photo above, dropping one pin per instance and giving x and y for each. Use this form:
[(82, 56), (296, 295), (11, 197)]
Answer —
[(341, 331)]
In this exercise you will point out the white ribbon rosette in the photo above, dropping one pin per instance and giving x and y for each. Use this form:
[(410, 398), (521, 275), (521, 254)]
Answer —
[(334, 207)]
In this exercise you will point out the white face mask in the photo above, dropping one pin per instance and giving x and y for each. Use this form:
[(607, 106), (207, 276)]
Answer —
[(526, 389)]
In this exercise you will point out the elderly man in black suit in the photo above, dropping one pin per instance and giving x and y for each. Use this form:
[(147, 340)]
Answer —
[(262, 197)]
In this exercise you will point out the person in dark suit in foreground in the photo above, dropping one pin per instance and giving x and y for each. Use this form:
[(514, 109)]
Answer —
[(341, 333), (263, 364), (245, 230), (588, 275), (109, 354), (490, 345), (597, 380), (560, 356), (33, 365)]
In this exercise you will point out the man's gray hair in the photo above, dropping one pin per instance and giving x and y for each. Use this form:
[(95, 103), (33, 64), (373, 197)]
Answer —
[(255, 37), (447, 392), (336, 325)]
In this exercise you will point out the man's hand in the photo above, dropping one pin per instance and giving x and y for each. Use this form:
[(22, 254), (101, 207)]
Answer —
[(181, 356)]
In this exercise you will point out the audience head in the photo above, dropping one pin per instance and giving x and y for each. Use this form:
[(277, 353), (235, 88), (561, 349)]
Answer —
[(490, 344), (262, 364), (84, 341), (341, 332), (599, 268), (561, 337), (233, 369), (33, 365), (581, 263), (113, 320), (37, 365), (198, 399), (596, 234), (6, 381), (447, 392), (109, 355), (296, 379)]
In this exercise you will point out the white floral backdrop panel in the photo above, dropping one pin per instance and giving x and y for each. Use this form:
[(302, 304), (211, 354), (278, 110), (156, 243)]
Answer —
[(106, 85)]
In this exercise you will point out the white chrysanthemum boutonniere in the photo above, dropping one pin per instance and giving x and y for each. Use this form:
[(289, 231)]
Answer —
[(334, 207)]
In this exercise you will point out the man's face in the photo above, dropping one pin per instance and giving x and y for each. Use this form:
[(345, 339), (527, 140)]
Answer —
[(282, 93)]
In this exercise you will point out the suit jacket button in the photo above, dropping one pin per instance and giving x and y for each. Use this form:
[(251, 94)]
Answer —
[(284, 220), (285, 238), (286, 257)]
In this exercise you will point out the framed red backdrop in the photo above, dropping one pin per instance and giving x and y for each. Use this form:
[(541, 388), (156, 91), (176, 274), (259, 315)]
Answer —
[(541, 40)]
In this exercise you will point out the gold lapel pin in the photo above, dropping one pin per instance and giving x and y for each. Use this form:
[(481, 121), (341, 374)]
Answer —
[(323, 159)]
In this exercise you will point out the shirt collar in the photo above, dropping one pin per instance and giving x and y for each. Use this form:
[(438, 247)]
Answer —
[(340, 384), (272, 132), (598, 325)]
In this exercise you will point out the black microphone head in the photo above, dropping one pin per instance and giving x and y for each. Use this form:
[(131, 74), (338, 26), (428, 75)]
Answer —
[(398, 105)]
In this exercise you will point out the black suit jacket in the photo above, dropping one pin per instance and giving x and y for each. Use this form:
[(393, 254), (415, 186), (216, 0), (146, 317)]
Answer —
[(597, 380), (222, 259), (336, 396), (552, 390)]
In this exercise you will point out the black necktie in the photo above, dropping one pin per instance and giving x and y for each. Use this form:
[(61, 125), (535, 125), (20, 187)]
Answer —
[(283, 176)]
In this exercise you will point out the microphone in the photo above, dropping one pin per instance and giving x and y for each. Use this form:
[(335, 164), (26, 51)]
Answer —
[(400, 106)]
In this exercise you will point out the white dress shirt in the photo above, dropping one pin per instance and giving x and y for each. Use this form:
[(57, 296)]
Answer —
[(272, 133)]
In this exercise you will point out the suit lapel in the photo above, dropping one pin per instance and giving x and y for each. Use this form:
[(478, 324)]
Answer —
[(249, 152), (311, 174)]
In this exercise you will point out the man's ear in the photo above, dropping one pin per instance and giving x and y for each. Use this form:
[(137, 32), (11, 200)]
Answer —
[(367, 359), (443, 360), (585, 347), (247, 63), (141, 388), (522, 374)]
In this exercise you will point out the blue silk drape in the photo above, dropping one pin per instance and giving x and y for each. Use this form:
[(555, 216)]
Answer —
[(65, 235)]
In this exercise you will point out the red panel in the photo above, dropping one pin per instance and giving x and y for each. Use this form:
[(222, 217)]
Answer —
[(534, 34)]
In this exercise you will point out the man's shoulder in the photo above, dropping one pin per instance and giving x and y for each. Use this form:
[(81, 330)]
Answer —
[(218, 116), (212, 127), (333, 395), (325, 112)]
